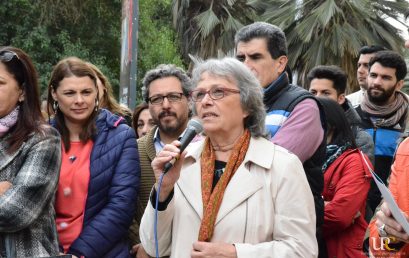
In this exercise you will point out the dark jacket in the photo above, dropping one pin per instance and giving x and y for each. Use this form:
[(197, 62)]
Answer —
[(112, 190), (385, 141), (362, 139), (284, 97)]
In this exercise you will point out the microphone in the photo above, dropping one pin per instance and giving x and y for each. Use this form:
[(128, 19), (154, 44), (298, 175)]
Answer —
[(194, 127)]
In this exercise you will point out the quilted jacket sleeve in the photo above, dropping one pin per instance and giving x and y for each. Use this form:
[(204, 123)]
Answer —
[(110, 225)]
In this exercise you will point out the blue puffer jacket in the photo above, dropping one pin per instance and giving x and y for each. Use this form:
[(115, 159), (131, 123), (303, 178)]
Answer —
[(112, 191)]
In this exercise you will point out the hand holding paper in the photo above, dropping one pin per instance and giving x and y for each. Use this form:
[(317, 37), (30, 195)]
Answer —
[(390, 213), (391, 204), (392, 226)]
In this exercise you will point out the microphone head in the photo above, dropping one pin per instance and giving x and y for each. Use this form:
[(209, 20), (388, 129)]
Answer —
[(196, 125)]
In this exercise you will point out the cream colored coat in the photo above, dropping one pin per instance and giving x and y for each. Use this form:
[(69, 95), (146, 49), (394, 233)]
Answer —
[(267, 209)]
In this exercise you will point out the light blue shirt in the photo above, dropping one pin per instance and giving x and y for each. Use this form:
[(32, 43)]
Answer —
[(157, 142)]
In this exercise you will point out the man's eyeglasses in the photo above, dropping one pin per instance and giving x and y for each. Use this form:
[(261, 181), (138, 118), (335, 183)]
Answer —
[(8, 55), (214, 93), (172, 97)]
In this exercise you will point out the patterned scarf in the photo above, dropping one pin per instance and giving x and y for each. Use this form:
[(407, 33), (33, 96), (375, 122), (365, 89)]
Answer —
[(8, 121), (333, 152), (391, 113), (213, 199)]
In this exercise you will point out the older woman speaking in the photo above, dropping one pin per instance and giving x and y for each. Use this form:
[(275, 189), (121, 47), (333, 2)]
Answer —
[(234, 194)]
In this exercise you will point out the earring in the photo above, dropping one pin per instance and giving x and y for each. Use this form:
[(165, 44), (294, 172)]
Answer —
[(55, 107), (21, 97), (96, 105)]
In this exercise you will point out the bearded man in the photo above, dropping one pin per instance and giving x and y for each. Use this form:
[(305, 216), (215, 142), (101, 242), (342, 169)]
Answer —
[(383, 112), (166, 89)]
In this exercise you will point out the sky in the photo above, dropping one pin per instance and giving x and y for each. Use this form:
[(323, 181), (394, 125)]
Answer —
[(395, 23), (398, 25)]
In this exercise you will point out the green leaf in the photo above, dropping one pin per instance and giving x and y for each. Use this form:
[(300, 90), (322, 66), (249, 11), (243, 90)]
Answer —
[(206, 22)]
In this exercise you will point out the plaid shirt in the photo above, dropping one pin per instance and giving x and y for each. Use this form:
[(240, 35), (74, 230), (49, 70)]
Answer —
[(27, 216)]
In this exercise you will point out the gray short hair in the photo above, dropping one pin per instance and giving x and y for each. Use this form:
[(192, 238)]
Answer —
[(251, 93), (163, 71), (275, 37)]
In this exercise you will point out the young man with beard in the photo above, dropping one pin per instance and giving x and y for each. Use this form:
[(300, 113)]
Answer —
[(384, 224), (383, 112), (165, 89), (365, 54)]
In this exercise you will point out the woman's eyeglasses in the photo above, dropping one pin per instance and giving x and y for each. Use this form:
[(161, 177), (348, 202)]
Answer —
[(8, 55), (214, 93)]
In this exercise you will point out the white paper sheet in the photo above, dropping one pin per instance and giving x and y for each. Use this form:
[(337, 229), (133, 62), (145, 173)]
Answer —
[(387, 196)]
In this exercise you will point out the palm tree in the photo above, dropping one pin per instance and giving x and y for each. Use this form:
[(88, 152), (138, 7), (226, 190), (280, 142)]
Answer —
[(333, 31), (206, 28), (406, 84)]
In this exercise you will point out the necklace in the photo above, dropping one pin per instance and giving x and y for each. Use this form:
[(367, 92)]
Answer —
[(227, 147), (224, 148)]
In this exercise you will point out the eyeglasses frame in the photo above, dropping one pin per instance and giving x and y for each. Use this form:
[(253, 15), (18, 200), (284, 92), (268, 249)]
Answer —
[(224, 89), (181, 94)]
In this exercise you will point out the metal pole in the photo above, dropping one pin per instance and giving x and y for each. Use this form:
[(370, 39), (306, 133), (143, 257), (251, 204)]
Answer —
[(129, 45)]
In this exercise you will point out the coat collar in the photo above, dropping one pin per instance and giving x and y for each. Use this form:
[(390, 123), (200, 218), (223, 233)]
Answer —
[(275, 89), (333, 167), (108, 119), (242, 185)]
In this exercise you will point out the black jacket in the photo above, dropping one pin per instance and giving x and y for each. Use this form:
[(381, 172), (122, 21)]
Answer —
[(284, 96)]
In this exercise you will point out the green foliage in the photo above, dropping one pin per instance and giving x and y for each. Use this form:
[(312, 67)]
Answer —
[(156, 40), (50, 30)]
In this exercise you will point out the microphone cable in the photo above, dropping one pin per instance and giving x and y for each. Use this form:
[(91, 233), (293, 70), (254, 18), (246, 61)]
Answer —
[(194, 127)]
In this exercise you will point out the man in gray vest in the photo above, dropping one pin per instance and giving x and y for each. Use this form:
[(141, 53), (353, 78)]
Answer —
[(293, 114)]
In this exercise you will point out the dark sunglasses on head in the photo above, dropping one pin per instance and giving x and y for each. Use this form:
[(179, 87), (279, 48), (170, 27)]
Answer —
[(7, 55)]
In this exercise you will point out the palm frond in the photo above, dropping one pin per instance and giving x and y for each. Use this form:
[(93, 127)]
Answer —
[(231, 2), (231, 23), (326, 11), (206, 22), (332, 31)]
